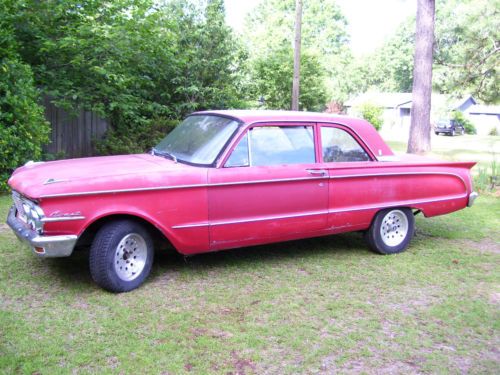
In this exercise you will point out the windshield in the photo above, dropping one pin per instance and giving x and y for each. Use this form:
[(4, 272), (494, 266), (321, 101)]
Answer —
[(198, 139)]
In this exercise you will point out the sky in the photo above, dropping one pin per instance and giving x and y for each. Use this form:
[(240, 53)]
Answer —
[(370, 22)]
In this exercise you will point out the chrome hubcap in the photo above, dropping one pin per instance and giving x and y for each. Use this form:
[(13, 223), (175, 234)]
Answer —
[(130, 256), (394, 228)]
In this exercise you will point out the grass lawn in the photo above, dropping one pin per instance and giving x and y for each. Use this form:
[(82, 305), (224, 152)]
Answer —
[(483, 149), (309, 306), (325, 305)]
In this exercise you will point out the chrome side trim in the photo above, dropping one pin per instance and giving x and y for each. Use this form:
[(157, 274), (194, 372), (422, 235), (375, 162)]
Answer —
[(179, 187), (277, 217), (194, 225), (116, 191), (62, 218), (398, 174), (360, 208), (397, 204), (132, 190)]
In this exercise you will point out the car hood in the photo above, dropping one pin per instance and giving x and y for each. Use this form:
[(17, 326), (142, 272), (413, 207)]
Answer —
[(94, 174)]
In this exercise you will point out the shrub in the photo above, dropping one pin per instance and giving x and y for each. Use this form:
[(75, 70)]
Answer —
[(23, 129), (127, 139), (372, 114), (461, 120), (493, 131)]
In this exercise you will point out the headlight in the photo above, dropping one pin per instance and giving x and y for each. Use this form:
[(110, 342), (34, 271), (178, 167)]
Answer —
[(29, 212)]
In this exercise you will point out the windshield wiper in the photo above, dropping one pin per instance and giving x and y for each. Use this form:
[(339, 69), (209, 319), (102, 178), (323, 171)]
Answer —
[(155, 151)]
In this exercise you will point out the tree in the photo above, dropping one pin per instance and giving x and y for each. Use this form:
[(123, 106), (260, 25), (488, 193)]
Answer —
[(296, 56), (466, 53), (467, 49), (135, 62), (23, 129), (272, 78), (269, 29), (420, 127)]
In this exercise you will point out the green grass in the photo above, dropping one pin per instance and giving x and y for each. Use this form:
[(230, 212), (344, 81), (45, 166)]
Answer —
[(314, 306)]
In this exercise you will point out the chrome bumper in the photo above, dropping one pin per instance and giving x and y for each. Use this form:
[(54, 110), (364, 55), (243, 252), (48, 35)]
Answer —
[(472, 198), (43, 246)]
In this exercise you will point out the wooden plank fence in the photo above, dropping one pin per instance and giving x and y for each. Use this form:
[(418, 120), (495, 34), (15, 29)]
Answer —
[(73, 136)]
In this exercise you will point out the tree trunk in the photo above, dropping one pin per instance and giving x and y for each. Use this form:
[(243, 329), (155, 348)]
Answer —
[(420, 128), (296, 58)]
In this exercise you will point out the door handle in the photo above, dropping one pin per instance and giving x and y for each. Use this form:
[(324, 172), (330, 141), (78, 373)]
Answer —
[(317, 172)]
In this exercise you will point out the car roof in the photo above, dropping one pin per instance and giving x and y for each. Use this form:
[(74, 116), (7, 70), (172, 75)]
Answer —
[(364, 129)]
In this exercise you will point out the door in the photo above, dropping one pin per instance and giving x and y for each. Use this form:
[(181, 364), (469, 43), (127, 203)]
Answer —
[(352, 191), (270, 188)]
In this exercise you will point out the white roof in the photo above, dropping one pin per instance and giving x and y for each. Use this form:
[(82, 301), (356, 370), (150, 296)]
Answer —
[(484, 109)]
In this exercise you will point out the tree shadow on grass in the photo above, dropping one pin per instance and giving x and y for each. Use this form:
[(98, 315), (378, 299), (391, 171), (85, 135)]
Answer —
[(73, 272), (335, 246)]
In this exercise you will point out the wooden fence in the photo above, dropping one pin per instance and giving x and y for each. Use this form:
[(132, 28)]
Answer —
[(73, 136)]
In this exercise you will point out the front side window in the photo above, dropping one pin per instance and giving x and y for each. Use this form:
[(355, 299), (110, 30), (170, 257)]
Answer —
[(274, 145), (339, 146), (239, 156), (198, 139)]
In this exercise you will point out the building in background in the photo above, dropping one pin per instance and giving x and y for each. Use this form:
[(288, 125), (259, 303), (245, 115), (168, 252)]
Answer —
[(397, 111)]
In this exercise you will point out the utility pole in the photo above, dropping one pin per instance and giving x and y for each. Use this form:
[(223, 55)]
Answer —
[(296, 57)]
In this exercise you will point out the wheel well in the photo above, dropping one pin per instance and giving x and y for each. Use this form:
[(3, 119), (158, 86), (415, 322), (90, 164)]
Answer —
[(86, 238)]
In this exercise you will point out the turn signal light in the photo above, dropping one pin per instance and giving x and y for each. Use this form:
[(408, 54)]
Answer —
[(39, 250)]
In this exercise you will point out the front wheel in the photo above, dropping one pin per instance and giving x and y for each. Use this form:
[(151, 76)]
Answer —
[(391, 230), (121, 256)]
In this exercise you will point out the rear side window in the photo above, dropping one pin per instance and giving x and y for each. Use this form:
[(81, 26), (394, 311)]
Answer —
[(339, 146)]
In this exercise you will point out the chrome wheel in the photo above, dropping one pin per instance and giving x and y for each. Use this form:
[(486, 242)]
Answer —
[(130, 256), (394, 228)]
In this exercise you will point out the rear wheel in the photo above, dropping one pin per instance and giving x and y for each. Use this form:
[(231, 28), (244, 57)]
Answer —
[(391, 230), (121, 256)]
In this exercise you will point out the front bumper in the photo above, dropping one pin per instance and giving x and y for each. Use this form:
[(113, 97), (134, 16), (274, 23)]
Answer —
[(43, 246)]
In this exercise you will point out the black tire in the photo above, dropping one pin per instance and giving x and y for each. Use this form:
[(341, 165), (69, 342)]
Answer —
[(453, 133), (462, 132), (392, 241), (437, 133), (113, 250)]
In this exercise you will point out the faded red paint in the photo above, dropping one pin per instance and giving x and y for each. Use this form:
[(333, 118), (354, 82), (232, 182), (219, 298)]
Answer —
[(201, 209)]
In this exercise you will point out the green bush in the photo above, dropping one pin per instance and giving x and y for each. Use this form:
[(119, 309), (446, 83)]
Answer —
[(127, 139), (23, 129), (461, 120), (493, 131), (372, 114)]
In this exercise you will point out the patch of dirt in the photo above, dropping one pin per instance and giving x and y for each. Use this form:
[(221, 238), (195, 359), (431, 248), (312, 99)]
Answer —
[(360, 367), (495, 298), (486, 245), (241, 365), (3, 227)]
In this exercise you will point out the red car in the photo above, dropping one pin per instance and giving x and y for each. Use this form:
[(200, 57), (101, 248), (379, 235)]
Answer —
[(227, 179)]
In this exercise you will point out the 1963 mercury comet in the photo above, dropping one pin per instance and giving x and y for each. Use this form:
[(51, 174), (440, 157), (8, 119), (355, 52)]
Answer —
[(227, 179)]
